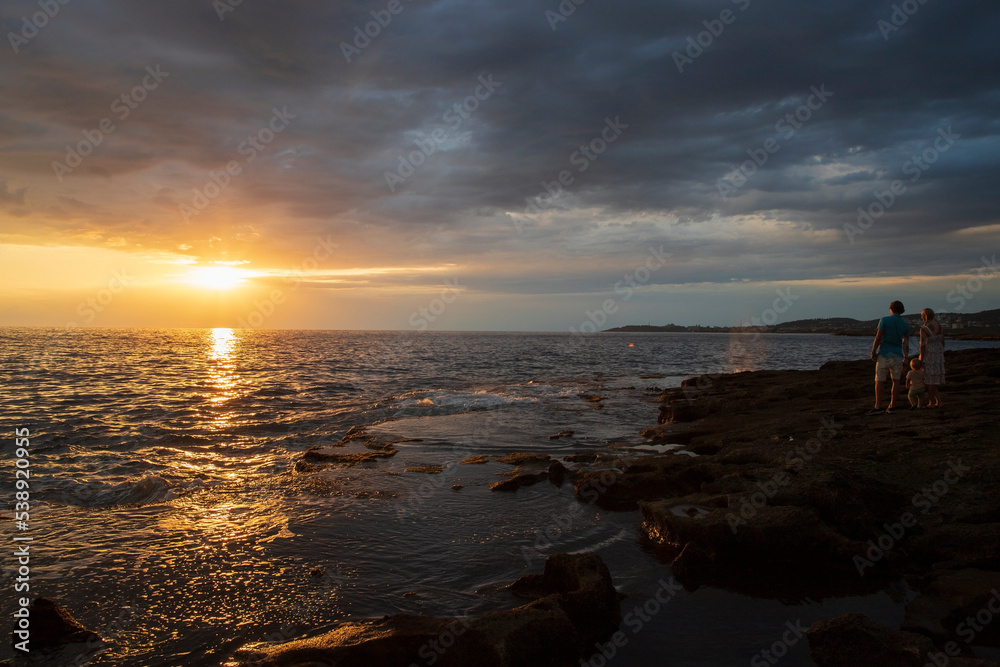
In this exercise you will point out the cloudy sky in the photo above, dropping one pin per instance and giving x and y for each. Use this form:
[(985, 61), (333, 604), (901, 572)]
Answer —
[(515, 165)]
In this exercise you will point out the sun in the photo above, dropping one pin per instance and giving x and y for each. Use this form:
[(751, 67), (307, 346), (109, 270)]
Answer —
[(216, 277)]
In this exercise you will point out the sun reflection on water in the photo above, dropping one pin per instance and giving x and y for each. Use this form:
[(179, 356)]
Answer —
[(223, 379)]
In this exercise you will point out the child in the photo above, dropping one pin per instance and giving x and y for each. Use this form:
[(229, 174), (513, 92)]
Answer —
[(915, 383)]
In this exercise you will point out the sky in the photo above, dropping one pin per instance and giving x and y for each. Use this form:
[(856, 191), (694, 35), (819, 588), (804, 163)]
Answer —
[(488, 165)]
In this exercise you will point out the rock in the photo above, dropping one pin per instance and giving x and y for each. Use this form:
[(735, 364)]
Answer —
[(430, 470), (858, 641), (457, 487), (557, 473), (392, 641), (652, 478), (51, 625), (777, 551), (583, 585), (561, 434), (325, 454), (959, 545), (521, 458), (949, 599), (475, 460), (517, 481), (575, 605)]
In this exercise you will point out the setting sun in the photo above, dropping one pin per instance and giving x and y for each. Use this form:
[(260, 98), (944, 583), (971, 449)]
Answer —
[(216, 277)]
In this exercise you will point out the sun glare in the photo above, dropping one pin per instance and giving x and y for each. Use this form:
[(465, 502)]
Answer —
[(216, 277)]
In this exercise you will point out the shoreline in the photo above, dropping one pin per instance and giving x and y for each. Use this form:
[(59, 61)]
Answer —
[(796, 493)]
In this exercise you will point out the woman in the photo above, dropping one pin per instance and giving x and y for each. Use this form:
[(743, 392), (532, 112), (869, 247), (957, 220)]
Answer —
[(932, 354)]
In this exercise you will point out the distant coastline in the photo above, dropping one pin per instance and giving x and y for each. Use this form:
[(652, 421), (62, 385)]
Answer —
[(984, 325)]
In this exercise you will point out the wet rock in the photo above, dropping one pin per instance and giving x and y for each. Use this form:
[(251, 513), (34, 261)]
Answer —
[(457, 487), (561, 434), (326, 454), (557, 473), (945, 603), (856, 640), (522, 458), (388, 642), (649, 479), (517, 481), (430, 470), (477, 459), (575, 605), (51, 626), (790, 543)]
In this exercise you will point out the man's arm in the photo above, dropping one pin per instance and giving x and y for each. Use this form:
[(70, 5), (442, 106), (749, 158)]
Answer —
[(906, 347), (875, 344)]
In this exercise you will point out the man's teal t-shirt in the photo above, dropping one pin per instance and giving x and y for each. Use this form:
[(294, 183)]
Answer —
[(894, 330)]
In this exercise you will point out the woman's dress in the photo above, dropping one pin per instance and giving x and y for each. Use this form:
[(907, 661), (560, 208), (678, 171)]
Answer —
[(933, 357)]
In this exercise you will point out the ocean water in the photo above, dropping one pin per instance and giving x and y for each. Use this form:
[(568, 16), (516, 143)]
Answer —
[(167, 514)]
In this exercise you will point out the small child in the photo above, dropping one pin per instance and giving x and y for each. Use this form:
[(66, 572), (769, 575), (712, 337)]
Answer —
[(915, 383)]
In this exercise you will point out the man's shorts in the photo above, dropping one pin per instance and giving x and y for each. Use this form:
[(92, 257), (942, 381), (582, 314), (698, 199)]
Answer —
[(885, 364)]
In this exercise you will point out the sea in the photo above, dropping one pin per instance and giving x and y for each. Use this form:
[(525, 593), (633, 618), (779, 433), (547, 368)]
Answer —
[(167, 513)]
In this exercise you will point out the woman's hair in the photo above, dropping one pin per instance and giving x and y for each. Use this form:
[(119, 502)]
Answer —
[(928, 312)]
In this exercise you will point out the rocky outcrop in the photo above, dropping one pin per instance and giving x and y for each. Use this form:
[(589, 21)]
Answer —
[(858, 641), (792, 473), (52, 626), (574, 604)]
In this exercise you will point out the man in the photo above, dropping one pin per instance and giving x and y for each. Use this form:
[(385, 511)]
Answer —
[(890, 348)]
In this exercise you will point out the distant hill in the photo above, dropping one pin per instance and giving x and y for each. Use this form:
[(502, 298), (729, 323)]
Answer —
[(985, 323)]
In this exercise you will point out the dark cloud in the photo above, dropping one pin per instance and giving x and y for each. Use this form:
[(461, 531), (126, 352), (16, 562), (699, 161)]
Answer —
[(556, 90)]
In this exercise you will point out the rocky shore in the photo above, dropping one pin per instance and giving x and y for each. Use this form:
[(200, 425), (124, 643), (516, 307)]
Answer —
[(796, 492)]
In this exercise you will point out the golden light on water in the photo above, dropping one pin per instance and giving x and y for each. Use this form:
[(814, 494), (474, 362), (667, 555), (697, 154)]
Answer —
[(222, 376)]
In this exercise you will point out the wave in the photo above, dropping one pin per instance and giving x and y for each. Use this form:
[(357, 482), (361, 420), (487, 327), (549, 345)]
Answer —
[(143, 490)]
